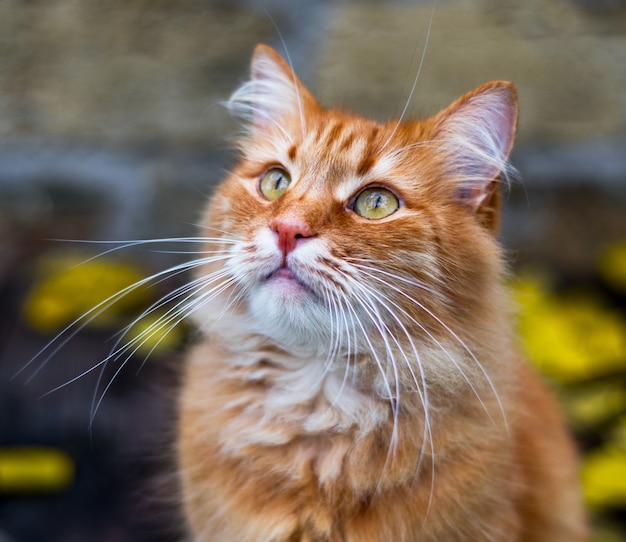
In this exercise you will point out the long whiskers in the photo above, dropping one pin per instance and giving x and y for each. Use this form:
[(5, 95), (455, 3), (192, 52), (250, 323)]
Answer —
[(371, 304), (371, 273), (409, 280), (416, 79), (183, 309), (133, 243), (52, 348)]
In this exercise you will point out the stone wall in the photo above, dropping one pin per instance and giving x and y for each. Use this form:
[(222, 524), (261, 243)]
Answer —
[(110, 123)]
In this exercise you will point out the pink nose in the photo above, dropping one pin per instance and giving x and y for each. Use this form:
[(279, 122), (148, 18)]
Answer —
[(290, 232)]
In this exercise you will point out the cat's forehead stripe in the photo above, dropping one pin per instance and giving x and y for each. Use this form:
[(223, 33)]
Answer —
[(367, 162), (346, 142), (292, 152), (381, 171), (332, 135), (357, 149), (337, 135), (326, 132)]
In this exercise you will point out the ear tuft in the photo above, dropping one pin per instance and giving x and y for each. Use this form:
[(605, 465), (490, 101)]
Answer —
[(477, 133), (272, 93)]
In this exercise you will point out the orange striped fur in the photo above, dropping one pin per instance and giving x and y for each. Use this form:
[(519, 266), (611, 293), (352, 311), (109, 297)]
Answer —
[(357, 379)]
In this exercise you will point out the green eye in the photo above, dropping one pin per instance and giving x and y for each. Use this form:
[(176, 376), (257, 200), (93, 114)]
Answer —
[(274, 183), (375, 203)]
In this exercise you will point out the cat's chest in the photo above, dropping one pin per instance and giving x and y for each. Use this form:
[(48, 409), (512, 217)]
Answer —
[(269, 399), (306, 399)]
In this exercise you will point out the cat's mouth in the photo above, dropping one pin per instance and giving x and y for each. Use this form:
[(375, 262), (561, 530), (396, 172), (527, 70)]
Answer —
[(285, 273), (289, 279)]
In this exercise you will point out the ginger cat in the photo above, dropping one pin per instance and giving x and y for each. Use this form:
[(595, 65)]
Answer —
[(357, 378)]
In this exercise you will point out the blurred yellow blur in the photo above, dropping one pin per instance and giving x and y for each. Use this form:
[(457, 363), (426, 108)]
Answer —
[(34, 470), (572, 337), (70, 285)]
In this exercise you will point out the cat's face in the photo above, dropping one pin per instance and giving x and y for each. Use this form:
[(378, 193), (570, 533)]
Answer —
[(342, 234)]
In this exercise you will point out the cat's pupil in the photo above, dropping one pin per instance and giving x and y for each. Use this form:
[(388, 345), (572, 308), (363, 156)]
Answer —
[(279, 182)]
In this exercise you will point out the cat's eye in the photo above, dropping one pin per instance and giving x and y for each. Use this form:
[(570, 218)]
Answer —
[(274, 183), (375, 203)]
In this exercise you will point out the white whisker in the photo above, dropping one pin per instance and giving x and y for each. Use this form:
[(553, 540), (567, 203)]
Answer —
[(421, 385), (444, 350), (169, 320), (74, 327), (133, 243), (416, 79)]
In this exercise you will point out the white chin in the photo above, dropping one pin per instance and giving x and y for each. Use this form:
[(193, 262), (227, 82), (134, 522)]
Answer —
[(289, 313)]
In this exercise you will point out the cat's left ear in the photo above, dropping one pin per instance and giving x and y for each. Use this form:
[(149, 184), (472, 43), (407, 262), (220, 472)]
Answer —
[(273, 94), (476, 134)]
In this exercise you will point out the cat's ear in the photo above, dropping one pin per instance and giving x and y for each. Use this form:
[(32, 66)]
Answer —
[(476, 134), (273, 92)]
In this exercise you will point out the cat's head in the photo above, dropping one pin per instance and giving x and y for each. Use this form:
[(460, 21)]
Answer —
[(344, 233)]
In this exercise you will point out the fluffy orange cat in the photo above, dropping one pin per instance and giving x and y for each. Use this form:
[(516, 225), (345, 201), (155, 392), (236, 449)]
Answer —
[(357, 378)]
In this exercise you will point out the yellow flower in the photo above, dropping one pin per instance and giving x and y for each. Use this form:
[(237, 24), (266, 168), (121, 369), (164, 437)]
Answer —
[(34, 470), (570, 338), (604, 477), (71, 285), (595, 404)]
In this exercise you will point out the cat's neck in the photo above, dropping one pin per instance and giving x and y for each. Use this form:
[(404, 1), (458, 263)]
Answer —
[(333, 390)]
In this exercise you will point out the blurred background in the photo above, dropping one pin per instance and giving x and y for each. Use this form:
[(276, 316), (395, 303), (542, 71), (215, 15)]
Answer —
[(111, 129)]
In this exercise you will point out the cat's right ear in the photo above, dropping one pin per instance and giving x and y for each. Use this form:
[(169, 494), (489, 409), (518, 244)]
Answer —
[(273, 93)]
